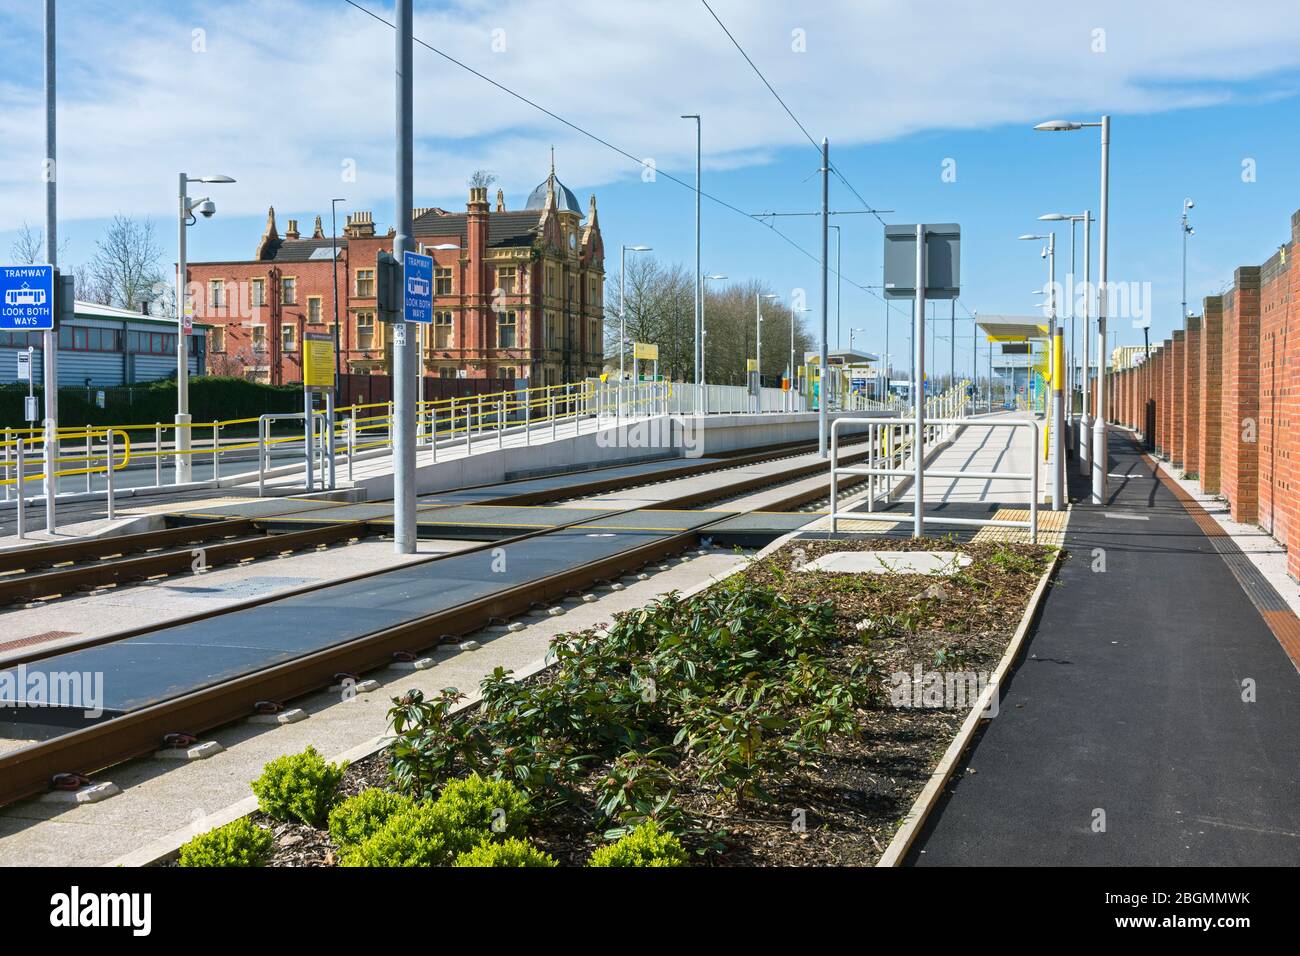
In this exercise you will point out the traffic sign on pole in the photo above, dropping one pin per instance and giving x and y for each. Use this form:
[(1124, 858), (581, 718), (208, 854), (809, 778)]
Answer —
[(27, 298), (417, 300)]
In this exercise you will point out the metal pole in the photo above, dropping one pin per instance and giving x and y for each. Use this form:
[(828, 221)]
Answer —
[(22, 497), (824, 379), (918, 400), (699, 281), (51, 356), (182, 344), (403, 355), (622, 320), (1058, 402), (1085, 417), (758, 347), (307, 430), (952, 345), (334, 259), (1100, 459)]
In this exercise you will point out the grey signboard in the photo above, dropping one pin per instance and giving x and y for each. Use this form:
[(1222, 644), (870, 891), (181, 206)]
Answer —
[(942, 257)]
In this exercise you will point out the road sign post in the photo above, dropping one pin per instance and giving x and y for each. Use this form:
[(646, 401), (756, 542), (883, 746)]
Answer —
[(921, 261)]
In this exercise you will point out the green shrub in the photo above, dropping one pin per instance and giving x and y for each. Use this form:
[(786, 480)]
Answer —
[(358, 818), (239, 843), (644, 846), (299, 787), (478, 805), (508, 852), (417, 836)]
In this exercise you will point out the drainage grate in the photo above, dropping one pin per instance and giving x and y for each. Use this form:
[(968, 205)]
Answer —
[(36, 639)]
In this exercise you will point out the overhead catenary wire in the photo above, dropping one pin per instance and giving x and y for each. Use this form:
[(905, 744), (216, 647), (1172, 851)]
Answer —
[(601, 140)]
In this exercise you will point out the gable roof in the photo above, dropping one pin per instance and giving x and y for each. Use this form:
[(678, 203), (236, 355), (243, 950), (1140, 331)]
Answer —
[(505, 229)]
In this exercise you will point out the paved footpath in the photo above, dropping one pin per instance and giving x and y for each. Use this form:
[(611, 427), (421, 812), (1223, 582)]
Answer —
[(1128, 708)]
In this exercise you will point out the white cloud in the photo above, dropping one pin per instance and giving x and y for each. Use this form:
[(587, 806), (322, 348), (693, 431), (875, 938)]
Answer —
[(289, 89)]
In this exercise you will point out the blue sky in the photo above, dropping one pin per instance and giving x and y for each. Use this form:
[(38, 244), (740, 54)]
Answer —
[(286, 95)]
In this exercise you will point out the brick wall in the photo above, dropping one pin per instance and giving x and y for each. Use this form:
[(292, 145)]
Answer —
[(1239, 428), (1176, 409), (1192, 397)]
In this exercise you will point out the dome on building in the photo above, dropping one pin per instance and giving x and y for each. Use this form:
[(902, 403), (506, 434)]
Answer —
[(565, 200)]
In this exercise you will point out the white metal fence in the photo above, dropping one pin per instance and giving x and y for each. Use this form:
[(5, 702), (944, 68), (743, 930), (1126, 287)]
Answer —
[(893, 454)]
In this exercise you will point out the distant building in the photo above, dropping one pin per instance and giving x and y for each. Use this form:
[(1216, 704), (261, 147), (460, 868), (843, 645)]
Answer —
[(519, 295), (105, 347)]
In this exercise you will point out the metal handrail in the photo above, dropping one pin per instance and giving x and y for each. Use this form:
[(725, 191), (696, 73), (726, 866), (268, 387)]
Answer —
[(905, 429)]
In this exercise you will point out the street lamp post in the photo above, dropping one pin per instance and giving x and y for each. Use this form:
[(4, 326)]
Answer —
[(758, 346), (703, 328), (793, 312), (839, 283), (1056, 407), (1082, 441), (622, 317), (184, 321), (334, 258), (1187, 230), (699, 281), (1100, 457)]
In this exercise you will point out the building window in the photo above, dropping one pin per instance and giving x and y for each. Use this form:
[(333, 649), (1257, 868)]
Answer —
[(365, 331), (447, 371), (216, 293), (288, 337), (365, 283), (550, 289), (259, 338), (216, 340), (552, 331), (507, 327), (441, 281), (507, 279), (289, 290), (314, 309), (442, 330), (507, 372), (258, 293)]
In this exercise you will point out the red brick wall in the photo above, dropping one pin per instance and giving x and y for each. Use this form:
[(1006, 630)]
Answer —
[(1176, 410), (1209, 455), (1192, 397), (1277, 392), (1240, 425)]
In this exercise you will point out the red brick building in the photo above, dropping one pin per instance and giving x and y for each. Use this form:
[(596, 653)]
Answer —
[(519, 293)]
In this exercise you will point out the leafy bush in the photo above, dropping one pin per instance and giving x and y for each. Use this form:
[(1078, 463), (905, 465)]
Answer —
[(644, 846), (358, 818), (732, 686), (509, 852), (299, 787), (491, 806), (238, 843), (416, 836)]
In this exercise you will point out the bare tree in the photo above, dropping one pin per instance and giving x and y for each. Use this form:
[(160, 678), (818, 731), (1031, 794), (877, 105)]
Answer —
[(29, 248), (482, 178), (661, 310), (126, 265)]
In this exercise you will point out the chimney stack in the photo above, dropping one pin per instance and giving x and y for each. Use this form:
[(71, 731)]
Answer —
[(292, 231)]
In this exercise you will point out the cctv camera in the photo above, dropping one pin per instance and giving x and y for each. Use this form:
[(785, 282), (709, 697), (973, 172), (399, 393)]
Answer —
[(207, 209)]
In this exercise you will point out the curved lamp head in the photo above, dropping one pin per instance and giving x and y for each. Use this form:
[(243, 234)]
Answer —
[(1058, 126), (212, 179)]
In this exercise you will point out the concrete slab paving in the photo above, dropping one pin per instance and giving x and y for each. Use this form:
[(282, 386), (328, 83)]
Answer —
[(160, 797)]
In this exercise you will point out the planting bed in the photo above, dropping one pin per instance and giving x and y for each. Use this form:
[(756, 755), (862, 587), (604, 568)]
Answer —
[(763, 721)]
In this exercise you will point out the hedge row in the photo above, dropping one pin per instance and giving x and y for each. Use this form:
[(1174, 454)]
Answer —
[(212, 398)]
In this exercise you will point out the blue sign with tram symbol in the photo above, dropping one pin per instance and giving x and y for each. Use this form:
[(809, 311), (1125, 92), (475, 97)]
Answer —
[(27, 298), (417, 285)]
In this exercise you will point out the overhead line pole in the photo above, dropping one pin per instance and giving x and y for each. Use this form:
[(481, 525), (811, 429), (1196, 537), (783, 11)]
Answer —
[(403, 437), (824, 372), (50, 358)]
